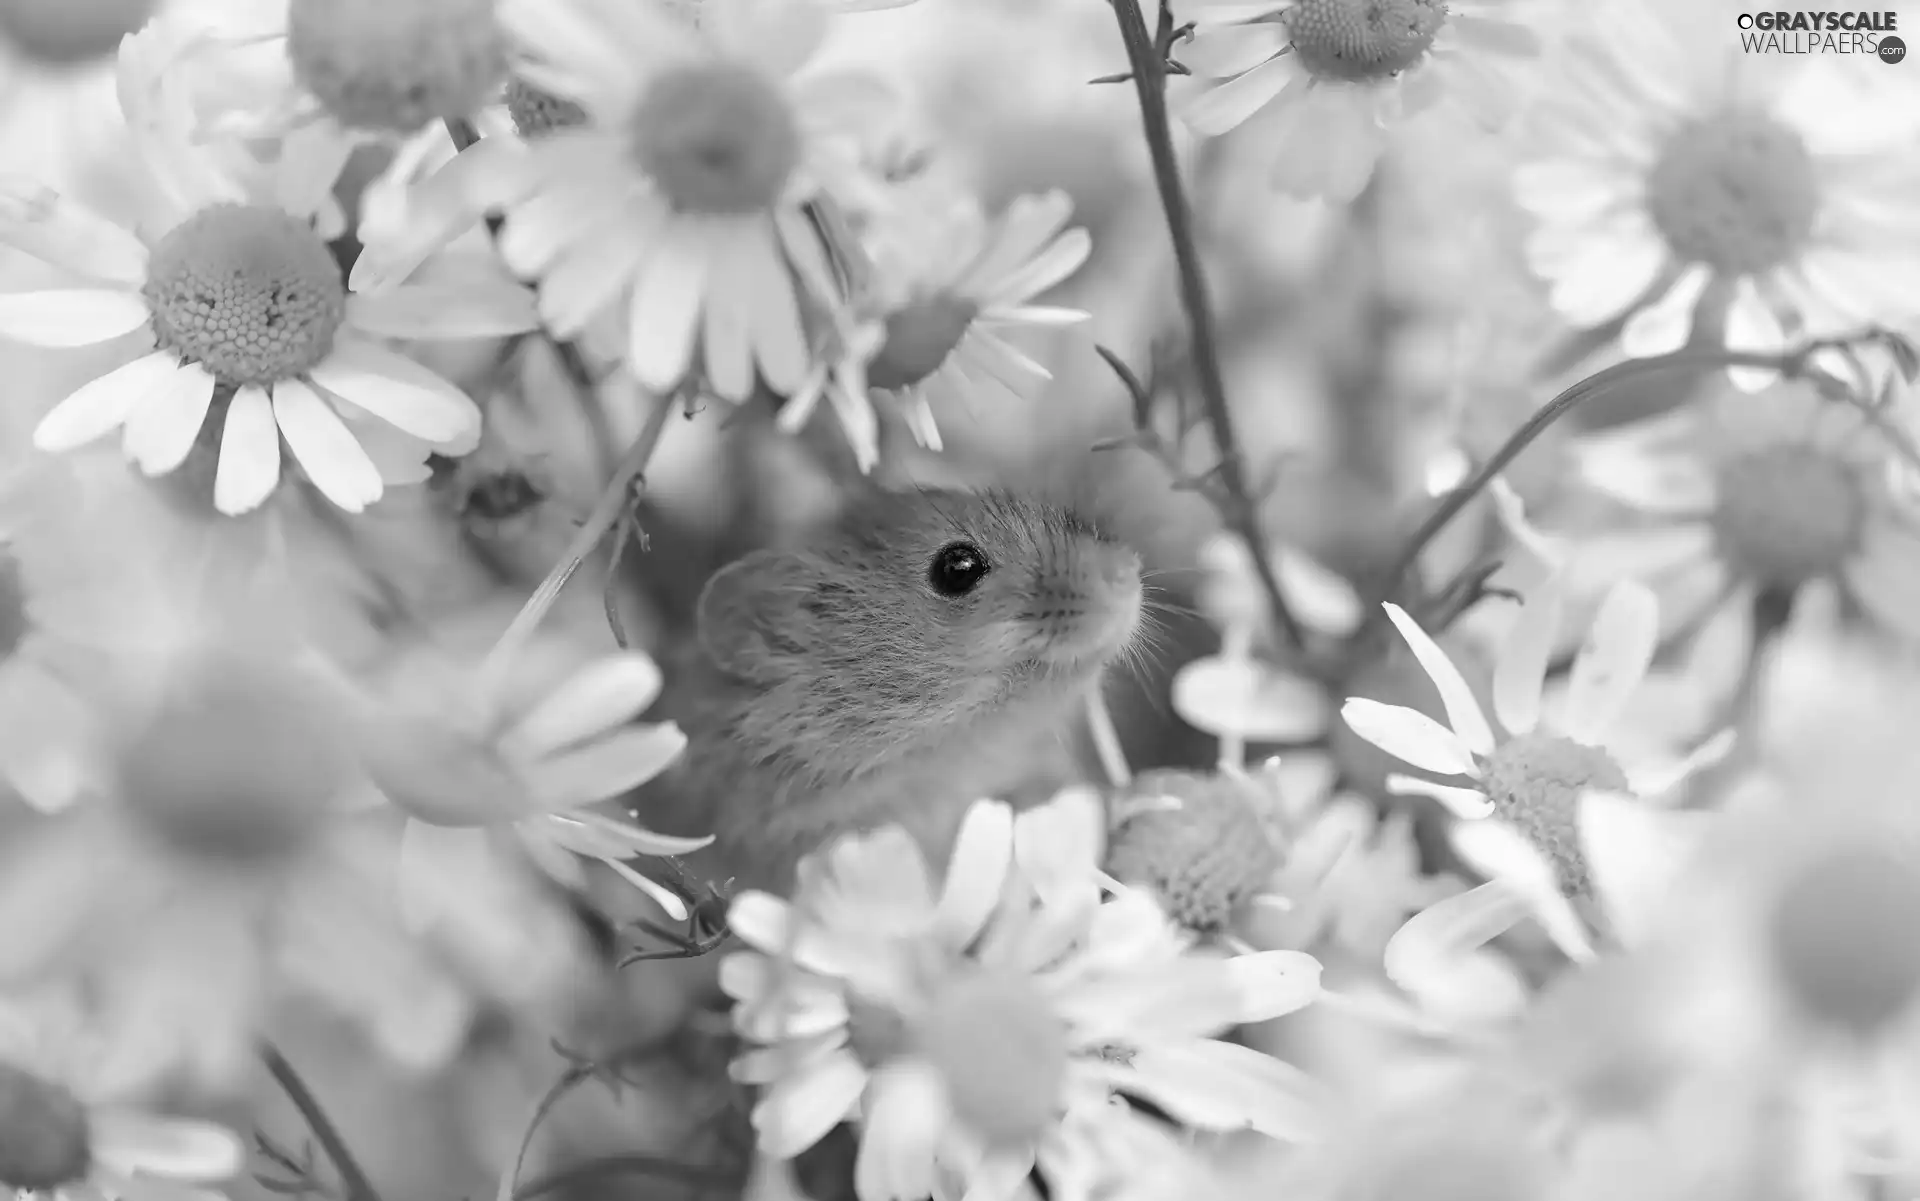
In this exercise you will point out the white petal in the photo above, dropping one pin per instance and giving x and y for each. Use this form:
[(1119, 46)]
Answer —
[(1409, 734), (1752, 325), (1597, 561), (397, 390), (1636, 854), (161, 430), (1653, 781), (976, 873), (70, 317), (425, 311), (606, 768), (169, 1148), (773, 307), (39, 221), (1219, 109), (904, 1117), (1467, 804), (1317, 595), (608, 692), (1502, 853), (1430, 945), (324, 448), (1245, 699), (597, 836), (1212, 1085), (1274, 983), (101, 406), (797, 1112), (1520, 670), (1612, 661), (1059, 845), (249, 465), (1676, 485), (1463, 712), (1664, 325), (1222, 53), (667, 300), (429, 857)]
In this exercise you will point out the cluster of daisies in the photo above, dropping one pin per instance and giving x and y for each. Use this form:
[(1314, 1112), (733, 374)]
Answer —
[(1502, 842)]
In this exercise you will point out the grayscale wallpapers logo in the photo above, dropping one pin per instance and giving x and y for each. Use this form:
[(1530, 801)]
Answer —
[(1863, 33)]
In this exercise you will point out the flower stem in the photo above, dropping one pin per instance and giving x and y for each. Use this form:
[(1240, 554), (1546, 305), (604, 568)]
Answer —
[(358, 1187), (1790, 363), (606, 513), (1147, 58)]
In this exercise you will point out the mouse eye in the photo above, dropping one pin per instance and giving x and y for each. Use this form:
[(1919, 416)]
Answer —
[(957, 569)]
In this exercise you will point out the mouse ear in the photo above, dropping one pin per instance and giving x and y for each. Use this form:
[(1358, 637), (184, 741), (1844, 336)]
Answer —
[(750, 612)]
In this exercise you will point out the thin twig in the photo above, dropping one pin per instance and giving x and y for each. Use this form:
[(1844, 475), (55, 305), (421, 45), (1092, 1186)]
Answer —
[(354, 1180), (1790, 363), (1147, 57), (606, 512)]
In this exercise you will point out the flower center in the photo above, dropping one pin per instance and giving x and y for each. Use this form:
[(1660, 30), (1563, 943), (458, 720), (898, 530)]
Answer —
[(240, 764), (396, 65), (62, 33), (1737, 191), (920, 336), (1787, 515), (14, 621), (1204, 859), (876, 1034), (534, 112), (716, 138), (1002, 1052), (44, 1140), (247, 290), (1535, 782), (1842, 937), (1360, 40)]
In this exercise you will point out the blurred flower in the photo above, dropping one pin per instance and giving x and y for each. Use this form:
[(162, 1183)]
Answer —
[(243, 304), (71, 1130), (1339, 73), (1684, 183), (680, 200), (220, 875), (1197, 842), (469, 761), (983, 1030), (950, 285), (1536, 777), (1751, 494)]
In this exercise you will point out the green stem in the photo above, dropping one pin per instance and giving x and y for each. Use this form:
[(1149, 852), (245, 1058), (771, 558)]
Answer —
[(352, 1178)]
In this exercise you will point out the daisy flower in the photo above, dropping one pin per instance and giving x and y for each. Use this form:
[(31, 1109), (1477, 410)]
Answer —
[(1534, 778), (223, 872), (248, 323), (980, 1030), (525, 764), (71, 1128), (1686, 184), (949, 288), (1756, 495), (681, 199), (1340, 73)]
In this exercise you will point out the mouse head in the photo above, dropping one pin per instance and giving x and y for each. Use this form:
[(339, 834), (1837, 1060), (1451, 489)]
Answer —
[(956, 596)]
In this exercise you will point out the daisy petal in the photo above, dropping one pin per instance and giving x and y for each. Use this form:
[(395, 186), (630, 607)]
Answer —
[(170, 1148), (1665, 324), (70, 317), (431, 855), (1245, 699), (1463, 712), (906, 1118), (39, 221), (1612, 661), (598, 836), (1212, 1085), (324, 448), (976, 873), (249, 464), (797, 1112), (1521, 669), (1220, 109), (667, 301), (606, 693), (1433, 942), (1409, 734), (161, 430), (1467, 804), (1274, 983), (101, 406), (397, 390), (605, 768)]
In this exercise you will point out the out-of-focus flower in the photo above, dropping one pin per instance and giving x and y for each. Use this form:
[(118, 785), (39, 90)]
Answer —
[(1535, 779), (983, 1030), (1199, 843), (1756, 493), (949, 287), (1685, 183), (679, 200), (1340, 73), (249, 324), (529, 760), (221, 875), (72, 1127)]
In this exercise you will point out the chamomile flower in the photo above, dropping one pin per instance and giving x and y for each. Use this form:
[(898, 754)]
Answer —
[(1751, 494), (1684, 184), (950, 289), (73, 1127), (680, 201), (247, 322), (1340, 73), (1535, 777), (525, 763), (980, 1030)]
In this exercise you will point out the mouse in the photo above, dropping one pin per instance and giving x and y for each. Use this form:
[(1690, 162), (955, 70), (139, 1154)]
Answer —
[(928, 649)]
